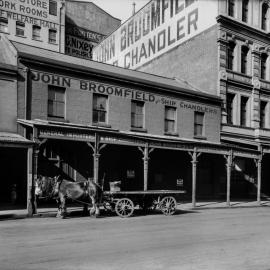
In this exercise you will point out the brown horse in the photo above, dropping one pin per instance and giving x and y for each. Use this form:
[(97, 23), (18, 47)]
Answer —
[(87, 193)]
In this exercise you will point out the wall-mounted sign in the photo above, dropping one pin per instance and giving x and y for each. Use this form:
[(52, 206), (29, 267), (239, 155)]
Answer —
[(113, 90), (130, 174), (157, 28), (78, 47), (28, 11)]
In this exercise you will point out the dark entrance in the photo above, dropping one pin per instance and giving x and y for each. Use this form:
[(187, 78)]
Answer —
[(13, 177)]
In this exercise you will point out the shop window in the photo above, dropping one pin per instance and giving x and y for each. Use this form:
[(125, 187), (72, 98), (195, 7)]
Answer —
[(263, 106), (170, 119), (244, 55), (56, 102), (264, 16), (52, 36), (4, 25), (263, 65), (230, 108), (198, 124), (231, 7), (99, 108), (20, 26), (36, 32), (230, 55), (245, 4), (137, 114), (243, 111), (53, 8)]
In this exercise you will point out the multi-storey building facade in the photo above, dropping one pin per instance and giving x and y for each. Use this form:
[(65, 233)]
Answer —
[(71, 27), (89, 119), (221, 47)]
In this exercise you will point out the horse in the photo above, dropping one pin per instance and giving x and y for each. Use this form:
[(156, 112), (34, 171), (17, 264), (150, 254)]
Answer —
[(62, 189)]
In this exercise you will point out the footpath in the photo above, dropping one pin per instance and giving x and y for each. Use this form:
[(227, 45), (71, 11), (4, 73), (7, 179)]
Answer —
[(186, 206)]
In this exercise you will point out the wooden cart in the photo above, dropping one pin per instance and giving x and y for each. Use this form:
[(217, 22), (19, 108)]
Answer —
[(124, 202)]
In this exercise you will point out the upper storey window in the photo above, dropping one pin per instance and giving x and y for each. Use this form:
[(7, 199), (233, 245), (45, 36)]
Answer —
[(245, 10), (56, 102), (263, 65), (53, 8), (244, 56), (137, 114), (100, 109), (230, 55), (36, 32), (20, 26), (3, 25), (264, 16), (231, 7)]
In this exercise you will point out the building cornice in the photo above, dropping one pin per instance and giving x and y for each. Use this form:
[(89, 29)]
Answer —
[(234, 24)]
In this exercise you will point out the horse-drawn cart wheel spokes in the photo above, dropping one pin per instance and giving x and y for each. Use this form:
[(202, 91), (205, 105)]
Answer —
[(168, 205), (124, 207)]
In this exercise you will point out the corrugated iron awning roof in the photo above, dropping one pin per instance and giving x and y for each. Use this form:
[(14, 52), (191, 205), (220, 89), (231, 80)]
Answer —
[(7, 137)]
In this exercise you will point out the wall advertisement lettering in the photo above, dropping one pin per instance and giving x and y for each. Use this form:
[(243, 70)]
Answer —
[(158, 27), (106, 89)]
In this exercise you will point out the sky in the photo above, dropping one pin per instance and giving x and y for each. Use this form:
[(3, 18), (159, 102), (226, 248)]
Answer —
[(121, 9)]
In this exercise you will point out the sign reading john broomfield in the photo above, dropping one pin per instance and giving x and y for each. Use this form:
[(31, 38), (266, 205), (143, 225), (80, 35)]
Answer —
[(158, 27), (121, 92)]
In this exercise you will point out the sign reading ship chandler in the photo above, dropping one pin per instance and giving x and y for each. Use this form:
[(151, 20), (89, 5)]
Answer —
[(158, 27), (127, 93), (27, 11), (80, 42)]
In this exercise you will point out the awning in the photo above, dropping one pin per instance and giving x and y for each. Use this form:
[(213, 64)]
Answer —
[(13, 140)]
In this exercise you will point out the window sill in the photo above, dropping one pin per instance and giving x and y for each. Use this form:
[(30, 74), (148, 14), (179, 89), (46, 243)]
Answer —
[(198, 137), (39, 40), (101, 125), (171, 134), (135, 129), (57, 119), (20, 36), (8, 33), (52, 43)]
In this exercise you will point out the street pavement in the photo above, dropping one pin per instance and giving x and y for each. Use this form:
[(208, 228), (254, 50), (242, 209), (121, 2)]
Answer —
[(221, 238)]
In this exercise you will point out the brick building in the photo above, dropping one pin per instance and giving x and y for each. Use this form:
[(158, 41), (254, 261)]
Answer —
[(71, 27), (220, 47), (92, 119)]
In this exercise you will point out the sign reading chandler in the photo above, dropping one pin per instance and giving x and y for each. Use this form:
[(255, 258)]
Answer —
[(158, 27)]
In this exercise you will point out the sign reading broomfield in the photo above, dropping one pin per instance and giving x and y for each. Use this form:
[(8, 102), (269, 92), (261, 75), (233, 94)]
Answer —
[(158, 27)]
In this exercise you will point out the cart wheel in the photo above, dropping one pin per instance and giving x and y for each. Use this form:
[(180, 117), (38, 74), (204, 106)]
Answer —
[(168, 205), (124, 207)]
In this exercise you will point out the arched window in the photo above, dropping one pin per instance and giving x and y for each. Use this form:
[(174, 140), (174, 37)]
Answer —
[(244, 62), (245, 10), (263, 65), (230, 55), (231, 5), (264, 16)]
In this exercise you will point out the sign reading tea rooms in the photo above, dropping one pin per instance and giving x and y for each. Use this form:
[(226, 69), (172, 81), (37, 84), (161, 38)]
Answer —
[(29, 12), (158, 27)]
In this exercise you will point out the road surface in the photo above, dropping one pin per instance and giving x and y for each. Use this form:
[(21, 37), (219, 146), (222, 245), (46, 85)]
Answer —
[(203, 239)]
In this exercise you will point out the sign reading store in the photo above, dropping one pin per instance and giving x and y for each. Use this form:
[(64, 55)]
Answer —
[(101, 88)]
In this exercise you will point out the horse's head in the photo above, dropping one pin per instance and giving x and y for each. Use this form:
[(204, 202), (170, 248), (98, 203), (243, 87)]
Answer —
[(45, 186)]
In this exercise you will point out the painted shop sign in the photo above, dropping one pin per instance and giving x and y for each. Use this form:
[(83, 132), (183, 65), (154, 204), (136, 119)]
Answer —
[(107, 89), (66, 134), (158, 27), (80, 32), (28, 11), (78, 47)]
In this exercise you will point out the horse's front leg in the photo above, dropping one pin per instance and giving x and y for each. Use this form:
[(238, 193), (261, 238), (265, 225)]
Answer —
[(58, 201), (95, 208), (63, 209)]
